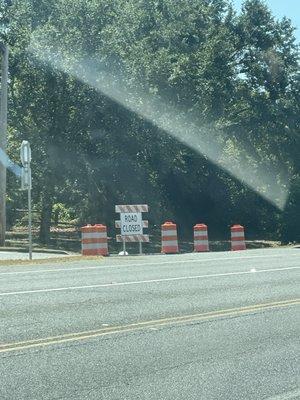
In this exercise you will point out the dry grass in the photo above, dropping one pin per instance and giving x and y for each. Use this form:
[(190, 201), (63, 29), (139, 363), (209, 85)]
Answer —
[(52, 260)]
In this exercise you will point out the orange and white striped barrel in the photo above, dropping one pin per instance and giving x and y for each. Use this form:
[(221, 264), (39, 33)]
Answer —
[(94, 240), (169, 241), (237, 238), (200, 238)]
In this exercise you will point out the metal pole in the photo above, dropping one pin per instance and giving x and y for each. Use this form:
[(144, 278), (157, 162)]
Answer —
[(141, 248), (124, 247), (29, 217), (3, 140)]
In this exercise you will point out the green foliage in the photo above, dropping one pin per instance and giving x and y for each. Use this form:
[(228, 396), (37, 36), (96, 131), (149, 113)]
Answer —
[(237, 74)]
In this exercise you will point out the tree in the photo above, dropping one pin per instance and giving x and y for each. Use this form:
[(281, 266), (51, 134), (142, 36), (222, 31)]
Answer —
[(235, 75)]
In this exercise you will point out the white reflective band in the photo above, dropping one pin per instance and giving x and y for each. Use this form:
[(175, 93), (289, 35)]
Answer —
[(237, 234), (238, 243), (168, 243), (93, 246), (172, 232), (200, 237), (200, 242), (94, 235)]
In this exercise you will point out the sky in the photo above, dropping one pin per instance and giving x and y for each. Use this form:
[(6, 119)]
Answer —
[(281, 8)]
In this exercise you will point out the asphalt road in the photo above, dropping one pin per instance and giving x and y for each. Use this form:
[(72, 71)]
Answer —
[(193, 326)]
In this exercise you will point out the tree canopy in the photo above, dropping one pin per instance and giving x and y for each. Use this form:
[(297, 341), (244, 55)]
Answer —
[(186, 106)]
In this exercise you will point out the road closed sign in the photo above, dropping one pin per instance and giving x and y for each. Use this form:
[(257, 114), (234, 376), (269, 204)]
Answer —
[(131, 224)]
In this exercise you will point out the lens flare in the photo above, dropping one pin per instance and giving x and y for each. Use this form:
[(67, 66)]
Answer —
[(247, 165)]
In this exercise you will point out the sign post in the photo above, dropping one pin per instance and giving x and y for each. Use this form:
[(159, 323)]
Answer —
[(25, 154), (131, 225), (124, 247)]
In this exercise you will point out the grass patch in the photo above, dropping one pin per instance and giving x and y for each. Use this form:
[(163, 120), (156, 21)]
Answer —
[(53, 260)]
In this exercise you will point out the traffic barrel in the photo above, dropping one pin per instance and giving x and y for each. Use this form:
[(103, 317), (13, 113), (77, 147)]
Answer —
[(169, 241), (237, 238), (94, 240), (200, 238)]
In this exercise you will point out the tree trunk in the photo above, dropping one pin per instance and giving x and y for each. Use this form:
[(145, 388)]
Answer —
[(45, 222)]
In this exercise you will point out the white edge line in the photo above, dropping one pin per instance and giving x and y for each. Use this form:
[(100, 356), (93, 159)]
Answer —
[(99, 267), (113, 284)]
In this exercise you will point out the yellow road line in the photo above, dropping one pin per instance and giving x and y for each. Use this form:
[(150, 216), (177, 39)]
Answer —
[(78, 336)]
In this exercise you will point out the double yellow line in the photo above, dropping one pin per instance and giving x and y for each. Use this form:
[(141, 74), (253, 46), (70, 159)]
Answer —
[(85, 335)]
